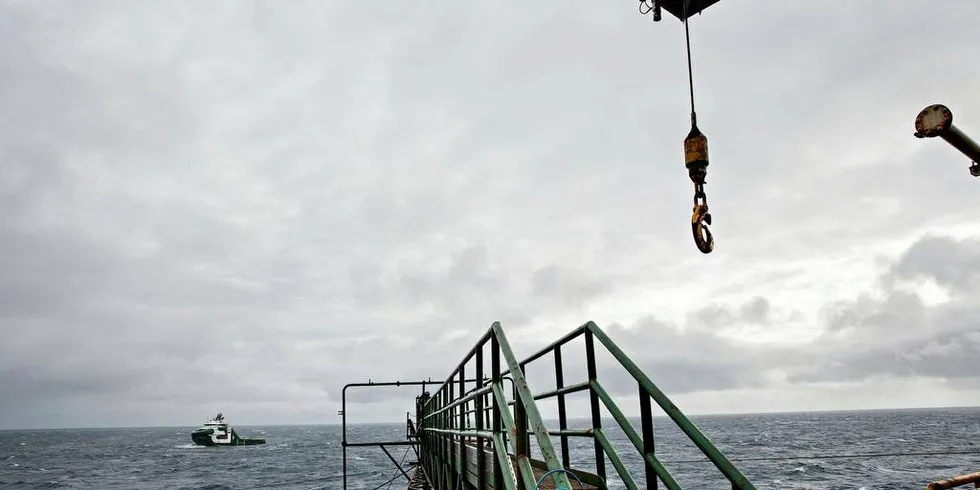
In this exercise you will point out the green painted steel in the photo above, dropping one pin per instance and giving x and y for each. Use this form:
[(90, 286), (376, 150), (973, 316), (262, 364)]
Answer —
[(523, 465), (627, 428), (503, 460), (735, 476), (661, 471), (537, 425), (616, 461), (509, 418), (443, 421)]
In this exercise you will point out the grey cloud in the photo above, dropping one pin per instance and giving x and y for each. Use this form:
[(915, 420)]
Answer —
[(952, 263), (335, 192), (893, 334), (878, 316), (683, 361), (945, 357), (472, 284), (755, 311)]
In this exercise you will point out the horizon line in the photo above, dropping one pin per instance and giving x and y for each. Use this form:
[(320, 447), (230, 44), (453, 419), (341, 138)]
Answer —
[(656, 416)]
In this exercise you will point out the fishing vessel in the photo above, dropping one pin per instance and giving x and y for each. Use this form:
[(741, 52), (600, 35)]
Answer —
[(217, 432)]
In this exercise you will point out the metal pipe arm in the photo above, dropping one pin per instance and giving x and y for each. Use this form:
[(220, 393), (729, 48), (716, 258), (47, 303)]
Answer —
[(937, 120)]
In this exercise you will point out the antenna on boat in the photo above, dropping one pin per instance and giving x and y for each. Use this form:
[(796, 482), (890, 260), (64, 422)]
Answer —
[(937, 120), (696, 143)]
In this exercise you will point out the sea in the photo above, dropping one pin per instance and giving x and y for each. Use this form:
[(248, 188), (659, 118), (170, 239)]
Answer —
[(881, 449)]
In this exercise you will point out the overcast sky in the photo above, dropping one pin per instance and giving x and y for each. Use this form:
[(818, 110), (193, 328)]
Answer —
[(242, 206)]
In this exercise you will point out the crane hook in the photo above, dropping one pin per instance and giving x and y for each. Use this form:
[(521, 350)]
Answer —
[(696, 161), (699, 226)]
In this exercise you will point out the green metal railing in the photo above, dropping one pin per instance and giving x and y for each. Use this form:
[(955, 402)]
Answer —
[(447, 438), (643, 441), (471, 417)]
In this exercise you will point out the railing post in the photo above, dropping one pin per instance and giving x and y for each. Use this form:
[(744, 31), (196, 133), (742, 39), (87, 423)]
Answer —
[(600, 460), (646, 419), (444, 424), (343, 422), (562, 417), (429, 443), (462, 425), (498, 475), (521, 437), (481, 462)]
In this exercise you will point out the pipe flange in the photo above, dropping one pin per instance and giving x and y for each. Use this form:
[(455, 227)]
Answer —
[(933, 121)]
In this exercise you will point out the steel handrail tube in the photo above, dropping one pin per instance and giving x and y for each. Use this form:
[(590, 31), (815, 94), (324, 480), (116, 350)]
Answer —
[(616, 461), (703, 443), (570, 336), (565, 390), (627, 428), (343, 414), (459, 401), (469, 355), (508, 421), (532, 414)]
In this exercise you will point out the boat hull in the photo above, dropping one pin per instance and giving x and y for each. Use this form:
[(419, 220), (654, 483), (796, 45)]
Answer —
[(206, 437)]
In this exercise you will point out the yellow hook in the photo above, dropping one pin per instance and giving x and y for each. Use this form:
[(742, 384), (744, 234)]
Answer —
[(702, 235)]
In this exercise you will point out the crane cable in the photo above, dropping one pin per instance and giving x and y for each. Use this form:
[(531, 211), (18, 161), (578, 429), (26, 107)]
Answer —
[(690, 70), (696, 160)]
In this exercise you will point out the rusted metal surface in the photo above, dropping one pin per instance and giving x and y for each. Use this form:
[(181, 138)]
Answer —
[(956, 481), (937, 120), (418, 481), (472, 468)]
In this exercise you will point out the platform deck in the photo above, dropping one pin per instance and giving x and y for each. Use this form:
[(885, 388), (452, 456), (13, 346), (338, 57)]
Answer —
[(418, 477)]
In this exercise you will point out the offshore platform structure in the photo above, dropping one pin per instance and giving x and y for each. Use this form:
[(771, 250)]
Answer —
[(482, 427)]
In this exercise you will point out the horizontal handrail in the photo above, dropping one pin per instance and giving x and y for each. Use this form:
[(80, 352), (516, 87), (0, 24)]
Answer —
[(380, 443), (469, 355), (471, 396), (700, 440), (631, 434), (343, 413), (616, 461), (562, 391), (570, 336)]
